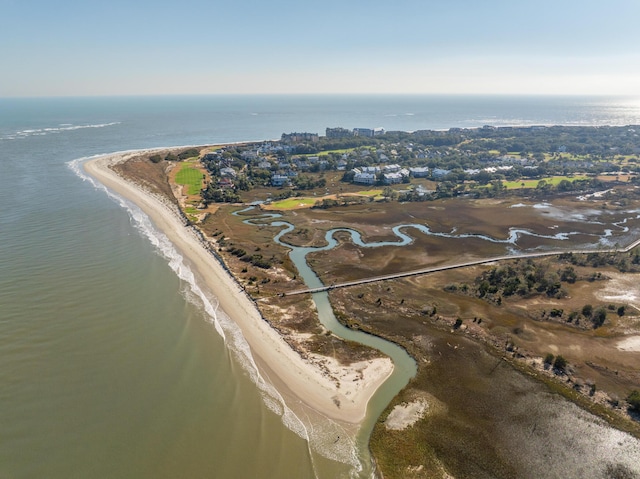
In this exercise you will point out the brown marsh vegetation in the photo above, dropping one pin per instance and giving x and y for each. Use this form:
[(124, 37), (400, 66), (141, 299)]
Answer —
[(476, 356)]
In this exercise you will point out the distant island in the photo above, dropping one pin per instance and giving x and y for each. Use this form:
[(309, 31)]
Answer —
[(540, 223)]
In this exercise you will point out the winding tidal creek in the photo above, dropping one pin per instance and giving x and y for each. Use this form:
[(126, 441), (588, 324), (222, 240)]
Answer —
[(513, 426)]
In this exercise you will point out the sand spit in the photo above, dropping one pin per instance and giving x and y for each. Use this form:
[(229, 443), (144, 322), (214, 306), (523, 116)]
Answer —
[(306, 388)]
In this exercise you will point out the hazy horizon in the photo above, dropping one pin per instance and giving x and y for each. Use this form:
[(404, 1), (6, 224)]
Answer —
[(460, 47), (327, 94)]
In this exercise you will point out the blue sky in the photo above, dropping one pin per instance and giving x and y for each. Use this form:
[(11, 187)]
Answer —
[(70, 47)]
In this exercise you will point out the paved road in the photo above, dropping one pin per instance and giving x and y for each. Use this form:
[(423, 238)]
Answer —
[(434, 269)]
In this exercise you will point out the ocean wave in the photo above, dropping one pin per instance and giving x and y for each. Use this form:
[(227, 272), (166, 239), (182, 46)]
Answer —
[(54, 130), (224, 325)]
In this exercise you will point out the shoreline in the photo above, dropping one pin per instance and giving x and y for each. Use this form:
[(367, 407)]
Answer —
[(304, 388)]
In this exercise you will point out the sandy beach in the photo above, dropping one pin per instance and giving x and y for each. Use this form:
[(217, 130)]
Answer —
[(306, 389)]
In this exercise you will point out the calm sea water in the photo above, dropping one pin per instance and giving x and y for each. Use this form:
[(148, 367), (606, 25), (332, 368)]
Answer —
[(109, 367)]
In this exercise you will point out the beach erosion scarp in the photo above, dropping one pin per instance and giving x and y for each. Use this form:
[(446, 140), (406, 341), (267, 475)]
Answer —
[(332, 405)]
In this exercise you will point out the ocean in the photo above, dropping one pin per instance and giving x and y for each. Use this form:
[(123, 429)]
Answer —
[(109, 364)]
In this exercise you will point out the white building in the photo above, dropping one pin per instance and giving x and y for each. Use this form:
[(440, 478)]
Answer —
[(279, 180), (391, 178), (419, 171), (365, 178), (228, 172)]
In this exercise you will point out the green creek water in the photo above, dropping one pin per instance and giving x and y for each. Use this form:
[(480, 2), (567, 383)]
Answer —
[(404, 365)]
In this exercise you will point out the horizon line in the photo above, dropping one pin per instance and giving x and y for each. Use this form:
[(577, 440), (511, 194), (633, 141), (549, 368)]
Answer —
[(317, 94)]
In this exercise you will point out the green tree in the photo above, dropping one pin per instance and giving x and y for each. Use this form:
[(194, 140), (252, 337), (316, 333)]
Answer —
[(565, 185), (389, 193), (569, 275), (242, 183)]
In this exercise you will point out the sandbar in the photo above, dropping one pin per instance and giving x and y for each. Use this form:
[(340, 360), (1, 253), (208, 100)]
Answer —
[(305, 388)]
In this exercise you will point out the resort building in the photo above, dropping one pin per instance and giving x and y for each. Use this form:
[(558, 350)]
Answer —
[(365, 178), (338, 133), (391, 178), (299, 137)]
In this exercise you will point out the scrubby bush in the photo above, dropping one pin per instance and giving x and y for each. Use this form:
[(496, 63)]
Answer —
[(189, 153), (560, 364), (634, 400), (599, 317)]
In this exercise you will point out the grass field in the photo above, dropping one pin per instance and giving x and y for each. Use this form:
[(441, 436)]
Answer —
[(369, 193), (191, 178), (293, 203), (338, 151), (308, 202), (554, 181)]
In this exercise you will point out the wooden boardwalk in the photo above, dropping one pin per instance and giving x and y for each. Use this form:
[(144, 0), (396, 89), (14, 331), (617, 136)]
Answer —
[(434, 269)]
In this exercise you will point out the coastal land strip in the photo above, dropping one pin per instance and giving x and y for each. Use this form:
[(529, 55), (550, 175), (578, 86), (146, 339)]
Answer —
[(317, 389), (460, 326)]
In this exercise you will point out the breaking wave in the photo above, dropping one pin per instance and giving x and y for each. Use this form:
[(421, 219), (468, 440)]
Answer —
[(226, 327), (53, 130)]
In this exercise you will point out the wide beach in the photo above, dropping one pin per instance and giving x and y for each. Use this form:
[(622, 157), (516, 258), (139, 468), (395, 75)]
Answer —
[(311, 394)]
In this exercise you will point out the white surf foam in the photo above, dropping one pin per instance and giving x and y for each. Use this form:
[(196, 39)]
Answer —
[(321, 436), (53, 130)]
